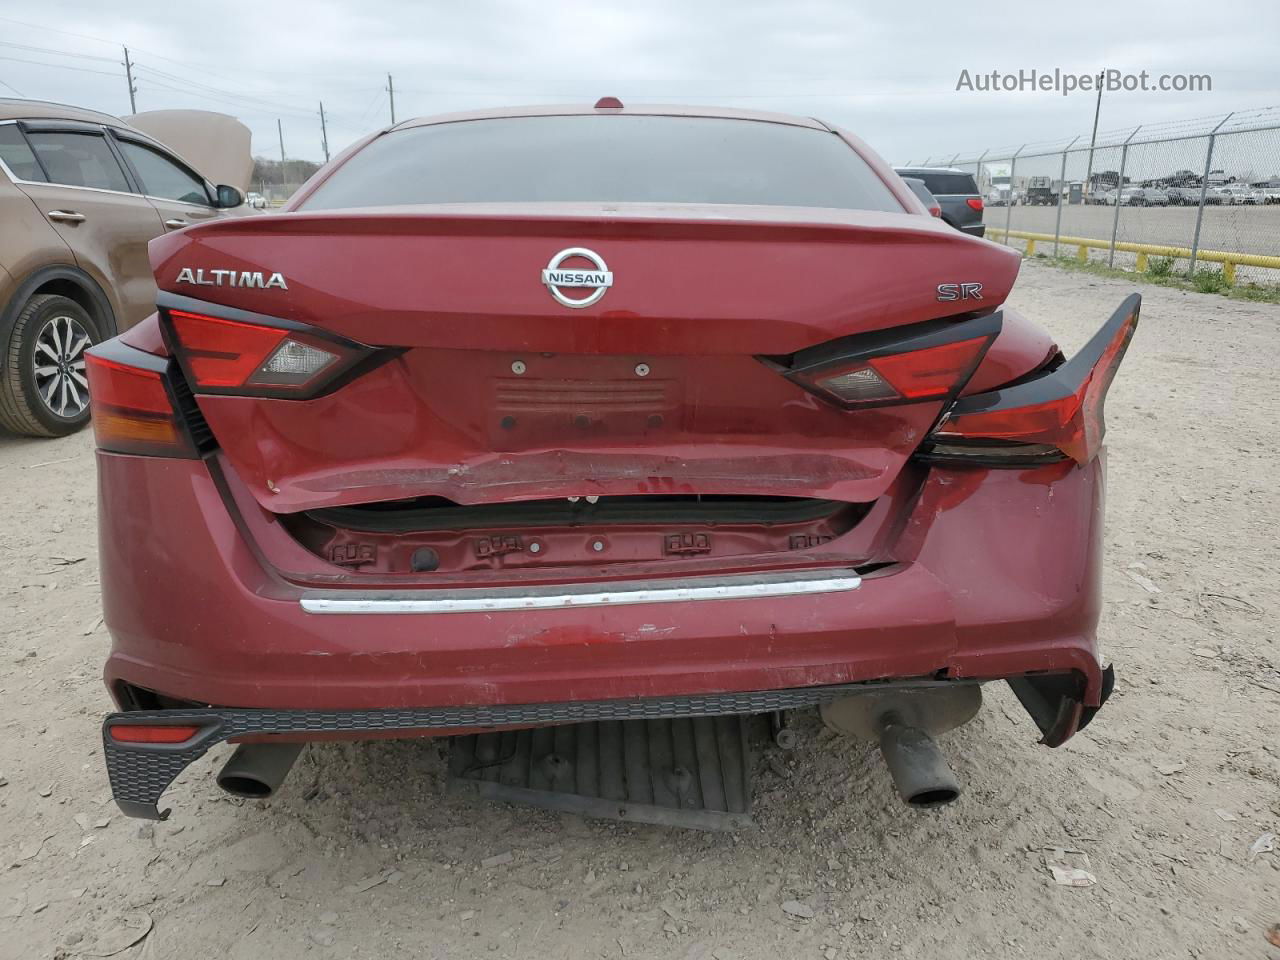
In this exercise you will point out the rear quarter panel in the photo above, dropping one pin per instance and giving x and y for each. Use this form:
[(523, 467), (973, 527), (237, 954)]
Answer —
[(27, 241)]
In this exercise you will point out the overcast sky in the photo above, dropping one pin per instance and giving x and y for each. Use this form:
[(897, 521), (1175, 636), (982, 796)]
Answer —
[(887, 71)]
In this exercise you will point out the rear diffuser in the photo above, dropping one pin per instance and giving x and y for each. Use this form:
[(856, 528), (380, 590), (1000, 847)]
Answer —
[(685, 772)]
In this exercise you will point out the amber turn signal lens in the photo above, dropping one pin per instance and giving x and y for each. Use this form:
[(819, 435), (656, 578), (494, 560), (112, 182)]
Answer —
[(133, 411)]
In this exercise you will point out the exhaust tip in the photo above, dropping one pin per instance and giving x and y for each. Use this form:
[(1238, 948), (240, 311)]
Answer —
[(939, 797), (919, 770), (256, 770), (243, 786)]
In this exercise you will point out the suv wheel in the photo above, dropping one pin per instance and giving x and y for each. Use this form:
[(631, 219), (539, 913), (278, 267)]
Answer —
[(43, 388)]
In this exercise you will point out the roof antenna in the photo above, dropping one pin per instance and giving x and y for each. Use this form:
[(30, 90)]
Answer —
[(608, 103)]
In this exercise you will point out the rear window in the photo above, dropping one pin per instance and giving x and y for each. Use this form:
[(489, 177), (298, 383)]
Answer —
[(607, 159), (17, 156), (78, 160), (941, 184)]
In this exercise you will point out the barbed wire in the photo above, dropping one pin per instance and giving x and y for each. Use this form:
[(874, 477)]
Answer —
[(1243, 121)]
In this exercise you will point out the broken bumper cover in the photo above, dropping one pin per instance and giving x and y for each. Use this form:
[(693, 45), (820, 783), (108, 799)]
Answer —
[(994, 575), (140, 772)]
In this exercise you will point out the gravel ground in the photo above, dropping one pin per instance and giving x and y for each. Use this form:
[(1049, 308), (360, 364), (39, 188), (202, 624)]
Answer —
[(362, 854)]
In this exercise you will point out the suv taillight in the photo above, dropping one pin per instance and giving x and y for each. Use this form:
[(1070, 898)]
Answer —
[(1056, 415), (975, 203), (135, 406), (929, 361), (251, 355)]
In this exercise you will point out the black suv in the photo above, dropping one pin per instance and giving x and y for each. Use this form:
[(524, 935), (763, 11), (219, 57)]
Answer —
[(956, 193)]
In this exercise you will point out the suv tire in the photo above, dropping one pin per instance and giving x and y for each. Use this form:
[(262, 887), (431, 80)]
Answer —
[(43, 355)]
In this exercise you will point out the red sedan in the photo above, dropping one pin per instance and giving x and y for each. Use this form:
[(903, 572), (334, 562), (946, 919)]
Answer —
[(580, 434)]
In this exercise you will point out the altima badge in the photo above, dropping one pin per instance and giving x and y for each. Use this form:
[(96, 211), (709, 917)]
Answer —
[(600, 278), (232, 278)]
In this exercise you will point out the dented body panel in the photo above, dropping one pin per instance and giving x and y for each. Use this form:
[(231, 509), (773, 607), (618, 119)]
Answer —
[(220, 620), (453, 467)]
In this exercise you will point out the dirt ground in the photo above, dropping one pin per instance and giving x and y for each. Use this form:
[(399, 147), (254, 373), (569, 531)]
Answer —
[(363, 855)]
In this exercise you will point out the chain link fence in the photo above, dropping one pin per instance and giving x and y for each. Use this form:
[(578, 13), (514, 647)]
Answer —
[(1196, 196)]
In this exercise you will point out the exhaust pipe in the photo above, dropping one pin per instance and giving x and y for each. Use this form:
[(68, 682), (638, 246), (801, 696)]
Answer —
[(904, 723), (256, 770), (918, 768)]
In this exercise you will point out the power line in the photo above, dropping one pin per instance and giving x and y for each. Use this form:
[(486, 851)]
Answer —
[(246, 98), (60, 66), (225, 101), (13, 88), (195, 66), (56, 53), (65, 33), (371, 106)]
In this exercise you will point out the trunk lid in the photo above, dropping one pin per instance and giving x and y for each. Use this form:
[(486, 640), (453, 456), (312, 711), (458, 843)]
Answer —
[(498, 392)]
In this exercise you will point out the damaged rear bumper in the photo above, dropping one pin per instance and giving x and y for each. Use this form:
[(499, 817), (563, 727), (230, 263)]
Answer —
[(977, 575), (141, 771)]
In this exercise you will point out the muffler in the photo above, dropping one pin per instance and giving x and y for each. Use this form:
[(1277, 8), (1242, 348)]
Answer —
[(256, 770), (918, 768), (904, 723)]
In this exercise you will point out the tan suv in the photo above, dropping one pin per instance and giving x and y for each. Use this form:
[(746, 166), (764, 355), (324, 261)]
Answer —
[(81, 195)]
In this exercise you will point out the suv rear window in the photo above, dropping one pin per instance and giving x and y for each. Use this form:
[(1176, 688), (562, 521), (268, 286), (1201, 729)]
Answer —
[(78, 160), (17, 156), (942, 184), (607, 159)]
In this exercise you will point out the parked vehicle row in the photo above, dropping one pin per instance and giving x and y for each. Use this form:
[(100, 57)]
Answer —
[(1227, 195)]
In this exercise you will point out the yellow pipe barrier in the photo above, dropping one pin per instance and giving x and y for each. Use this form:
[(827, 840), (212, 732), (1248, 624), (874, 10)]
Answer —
[(1229, 259)]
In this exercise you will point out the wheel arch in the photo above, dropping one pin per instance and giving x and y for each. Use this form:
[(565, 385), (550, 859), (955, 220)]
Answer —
[(67, 281)]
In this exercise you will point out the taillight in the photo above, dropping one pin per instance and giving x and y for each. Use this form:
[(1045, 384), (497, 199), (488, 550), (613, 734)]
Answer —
[(935, 211), (135, 408), (1058, 414), (975, 203), (250, 355), (930, 361)]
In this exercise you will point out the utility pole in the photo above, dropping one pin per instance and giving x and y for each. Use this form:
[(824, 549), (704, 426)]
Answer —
[(280, 131), (1088, 175), (392, 91), (128, 75), (324, 134)]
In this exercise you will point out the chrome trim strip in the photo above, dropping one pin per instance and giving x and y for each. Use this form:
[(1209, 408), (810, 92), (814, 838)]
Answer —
[(737, 587), (67, 186), (185, 203)]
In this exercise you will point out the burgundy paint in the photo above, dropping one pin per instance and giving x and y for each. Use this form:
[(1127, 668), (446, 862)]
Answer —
[(990, 573), (207, 617)]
